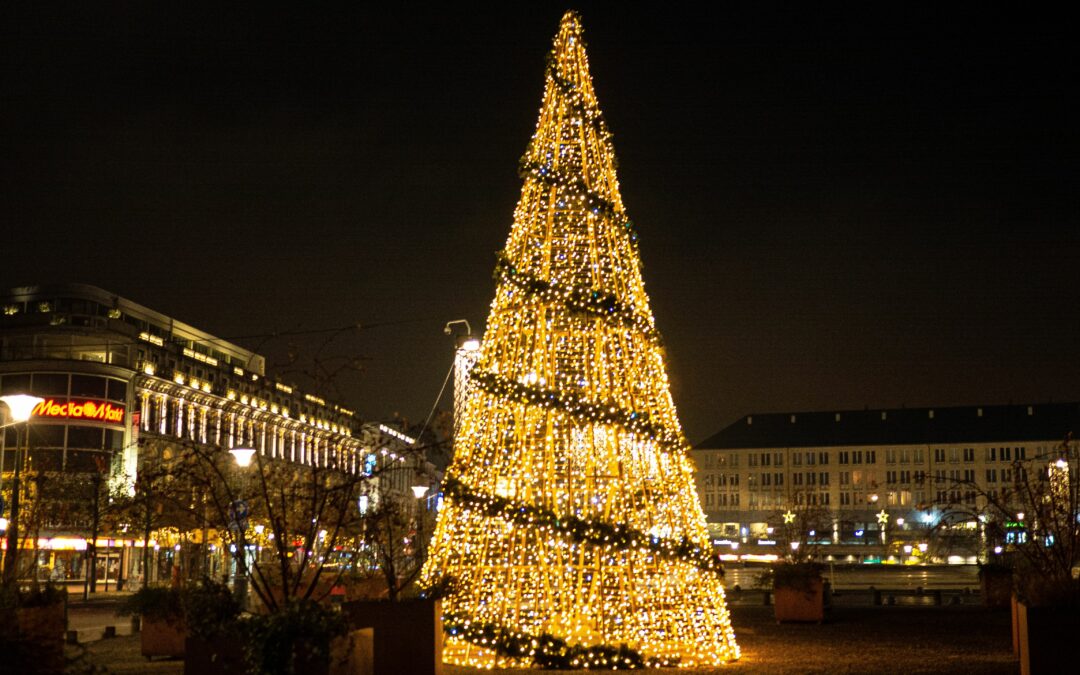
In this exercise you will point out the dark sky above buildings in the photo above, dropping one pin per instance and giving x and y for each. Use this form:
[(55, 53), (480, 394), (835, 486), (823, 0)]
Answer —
[(836, 209)]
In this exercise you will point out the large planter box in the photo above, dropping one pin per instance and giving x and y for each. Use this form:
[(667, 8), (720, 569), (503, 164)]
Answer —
[(996, 587), (226, 657), (800, 604), (397, 637), (41, 633), (162, 638), (1043, 635), (213, 657)]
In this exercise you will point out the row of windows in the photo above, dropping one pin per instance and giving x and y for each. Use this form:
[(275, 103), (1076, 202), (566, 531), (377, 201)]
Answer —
[(722, 499), (179, 418), (65, 385), (892, 456), (58, 447), (822, 457)]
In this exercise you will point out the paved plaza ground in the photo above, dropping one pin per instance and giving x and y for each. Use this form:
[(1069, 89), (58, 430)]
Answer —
[(857, 638)]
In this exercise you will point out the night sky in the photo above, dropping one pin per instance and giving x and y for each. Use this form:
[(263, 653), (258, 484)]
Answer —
[(836, 209)]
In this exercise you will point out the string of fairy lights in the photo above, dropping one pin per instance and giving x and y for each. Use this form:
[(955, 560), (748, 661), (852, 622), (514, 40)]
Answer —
[(618, 537), (571, 535), (577, 406)]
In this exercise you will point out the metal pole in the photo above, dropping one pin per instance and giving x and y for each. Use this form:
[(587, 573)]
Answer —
[(11, 572)]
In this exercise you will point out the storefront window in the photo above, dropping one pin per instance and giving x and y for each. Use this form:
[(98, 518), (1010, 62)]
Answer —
[(50, 384), (88, 386)]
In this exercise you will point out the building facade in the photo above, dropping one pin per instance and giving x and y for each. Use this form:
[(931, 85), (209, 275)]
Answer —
[(880, 480), (123, 385)]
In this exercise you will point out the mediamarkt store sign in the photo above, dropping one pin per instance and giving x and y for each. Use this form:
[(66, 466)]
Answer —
[(83, 410)]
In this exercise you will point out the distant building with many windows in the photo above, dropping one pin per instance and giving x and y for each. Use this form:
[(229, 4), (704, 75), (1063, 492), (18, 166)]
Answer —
[(905, 463)]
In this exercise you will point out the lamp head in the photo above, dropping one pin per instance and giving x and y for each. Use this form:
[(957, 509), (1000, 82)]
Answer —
[(242, 456), (21, 406)]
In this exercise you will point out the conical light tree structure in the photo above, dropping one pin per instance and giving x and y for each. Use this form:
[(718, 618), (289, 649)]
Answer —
[(570, 533)]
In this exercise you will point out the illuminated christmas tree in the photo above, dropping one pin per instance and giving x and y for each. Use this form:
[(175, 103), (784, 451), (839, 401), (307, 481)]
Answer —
[(570, 533)]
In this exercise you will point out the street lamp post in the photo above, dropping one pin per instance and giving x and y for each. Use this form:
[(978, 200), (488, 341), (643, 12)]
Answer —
[(20, 407), (238, 514)]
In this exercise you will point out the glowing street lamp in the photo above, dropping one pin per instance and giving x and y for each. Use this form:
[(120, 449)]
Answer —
[(419, 491), (242, 456), (20, 407)]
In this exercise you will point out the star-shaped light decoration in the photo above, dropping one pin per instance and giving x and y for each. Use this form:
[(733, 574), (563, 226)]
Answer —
[(789, 517), (883, 517)]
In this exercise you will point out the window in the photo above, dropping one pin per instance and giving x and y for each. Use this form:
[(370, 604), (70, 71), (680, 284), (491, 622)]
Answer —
[(920, 477), (954, 455), (88, 386), (939, 454), (991, 475), (823, 458), (871, 456), (1006, 454), (810, 478), (778, 479), (890, 477), (905, 456), (843, 457), (823, 478), (797, 478), (857, 457), (46, 436), (991, 454), (969, 475), (778, 459), (764, 459), (905, 476), (88, 438), (890, 457), (796, 459), (1021, 453), (917, 456), (969, 454), (810, 459), (49, 384), (753, 459), (845, 478), (845, 499)]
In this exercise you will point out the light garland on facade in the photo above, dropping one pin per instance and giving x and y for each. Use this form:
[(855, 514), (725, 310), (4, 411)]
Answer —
[(571, 535)]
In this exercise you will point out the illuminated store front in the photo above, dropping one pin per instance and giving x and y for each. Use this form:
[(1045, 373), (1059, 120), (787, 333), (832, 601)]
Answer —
[(121, 384)]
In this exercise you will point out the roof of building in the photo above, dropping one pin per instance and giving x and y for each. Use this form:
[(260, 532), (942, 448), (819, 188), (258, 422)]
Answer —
[(900, 426)]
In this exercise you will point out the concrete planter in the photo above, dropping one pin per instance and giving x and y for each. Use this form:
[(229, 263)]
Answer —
[(803, 604), (213, 657), (162, 638), (1042, 636), (41, 632), (396, 637), (995, 585)]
